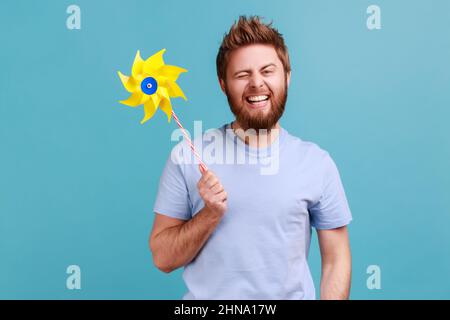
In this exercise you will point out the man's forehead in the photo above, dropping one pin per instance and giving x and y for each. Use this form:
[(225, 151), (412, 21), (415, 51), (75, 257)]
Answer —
[(253, 56)]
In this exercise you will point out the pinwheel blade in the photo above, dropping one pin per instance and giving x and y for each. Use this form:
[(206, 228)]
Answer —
[(149, 109), (170, 72), (174, 90), (138, 64), (136, 99), (128, 82), (162, 91), (166, 106), (156, 61), (156, 98)]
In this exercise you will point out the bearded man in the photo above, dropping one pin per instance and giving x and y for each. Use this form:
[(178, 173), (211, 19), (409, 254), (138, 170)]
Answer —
[(239, 232)]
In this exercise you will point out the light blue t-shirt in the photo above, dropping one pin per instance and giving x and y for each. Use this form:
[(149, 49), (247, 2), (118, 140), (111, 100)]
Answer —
[(260, 247)]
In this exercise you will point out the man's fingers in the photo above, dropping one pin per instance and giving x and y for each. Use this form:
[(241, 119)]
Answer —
[(211, 190), (212, 182), (207, 175), (217, 188), (208, 180), (222, 196)]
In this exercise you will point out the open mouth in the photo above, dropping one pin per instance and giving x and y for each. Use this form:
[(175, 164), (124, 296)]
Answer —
[(254, 100), (258, 101)]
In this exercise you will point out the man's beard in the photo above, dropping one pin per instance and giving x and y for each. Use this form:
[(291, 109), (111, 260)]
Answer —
[(260, 121)]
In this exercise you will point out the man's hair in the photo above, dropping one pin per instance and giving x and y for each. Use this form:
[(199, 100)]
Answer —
[(246, 31)]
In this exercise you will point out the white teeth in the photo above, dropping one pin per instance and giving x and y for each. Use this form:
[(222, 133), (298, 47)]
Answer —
[(257, 98)]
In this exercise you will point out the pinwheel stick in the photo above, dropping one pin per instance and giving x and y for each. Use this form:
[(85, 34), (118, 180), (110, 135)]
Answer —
[(189, 141)]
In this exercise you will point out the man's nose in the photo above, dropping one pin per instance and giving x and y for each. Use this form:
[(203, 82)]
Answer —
[(256, 81)]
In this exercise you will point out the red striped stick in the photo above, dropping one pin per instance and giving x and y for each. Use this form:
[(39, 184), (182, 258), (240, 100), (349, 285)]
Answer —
[(202, 164)]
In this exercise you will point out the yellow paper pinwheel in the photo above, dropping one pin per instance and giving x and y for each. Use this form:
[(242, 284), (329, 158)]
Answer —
[(152, 83)]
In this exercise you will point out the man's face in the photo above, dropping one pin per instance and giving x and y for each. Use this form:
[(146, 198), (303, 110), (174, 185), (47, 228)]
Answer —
[(256, 86)]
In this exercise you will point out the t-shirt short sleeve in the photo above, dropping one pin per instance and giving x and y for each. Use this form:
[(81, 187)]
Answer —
[(332, 210), (172, 198)]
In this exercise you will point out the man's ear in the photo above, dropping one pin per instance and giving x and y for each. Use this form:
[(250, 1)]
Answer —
[(222, 85), (288, 78)]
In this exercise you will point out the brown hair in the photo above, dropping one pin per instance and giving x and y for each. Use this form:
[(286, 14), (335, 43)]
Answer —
[(246, 31)]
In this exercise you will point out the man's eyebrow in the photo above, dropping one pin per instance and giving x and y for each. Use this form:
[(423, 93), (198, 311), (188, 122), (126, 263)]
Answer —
[(248, 70), (269, 65)]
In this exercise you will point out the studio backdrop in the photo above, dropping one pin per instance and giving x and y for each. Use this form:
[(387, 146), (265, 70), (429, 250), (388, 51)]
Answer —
[(79, 173)]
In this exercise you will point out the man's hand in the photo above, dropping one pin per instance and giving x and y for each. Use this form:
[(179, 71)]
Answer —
[(212, 193)]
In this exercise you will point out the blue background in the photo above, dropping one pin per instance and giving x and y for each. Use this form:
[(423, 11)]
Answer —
[(79, 173)]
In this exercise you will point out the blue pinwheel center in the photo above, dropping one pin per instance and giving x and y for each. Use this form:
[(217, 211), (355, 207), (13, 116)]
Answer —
[(149, 85)]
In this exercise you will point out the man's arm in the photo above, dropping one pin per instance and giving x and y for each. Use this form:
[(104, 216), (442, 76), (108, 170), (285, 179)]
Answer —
[(174, 242), (336, 264)]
